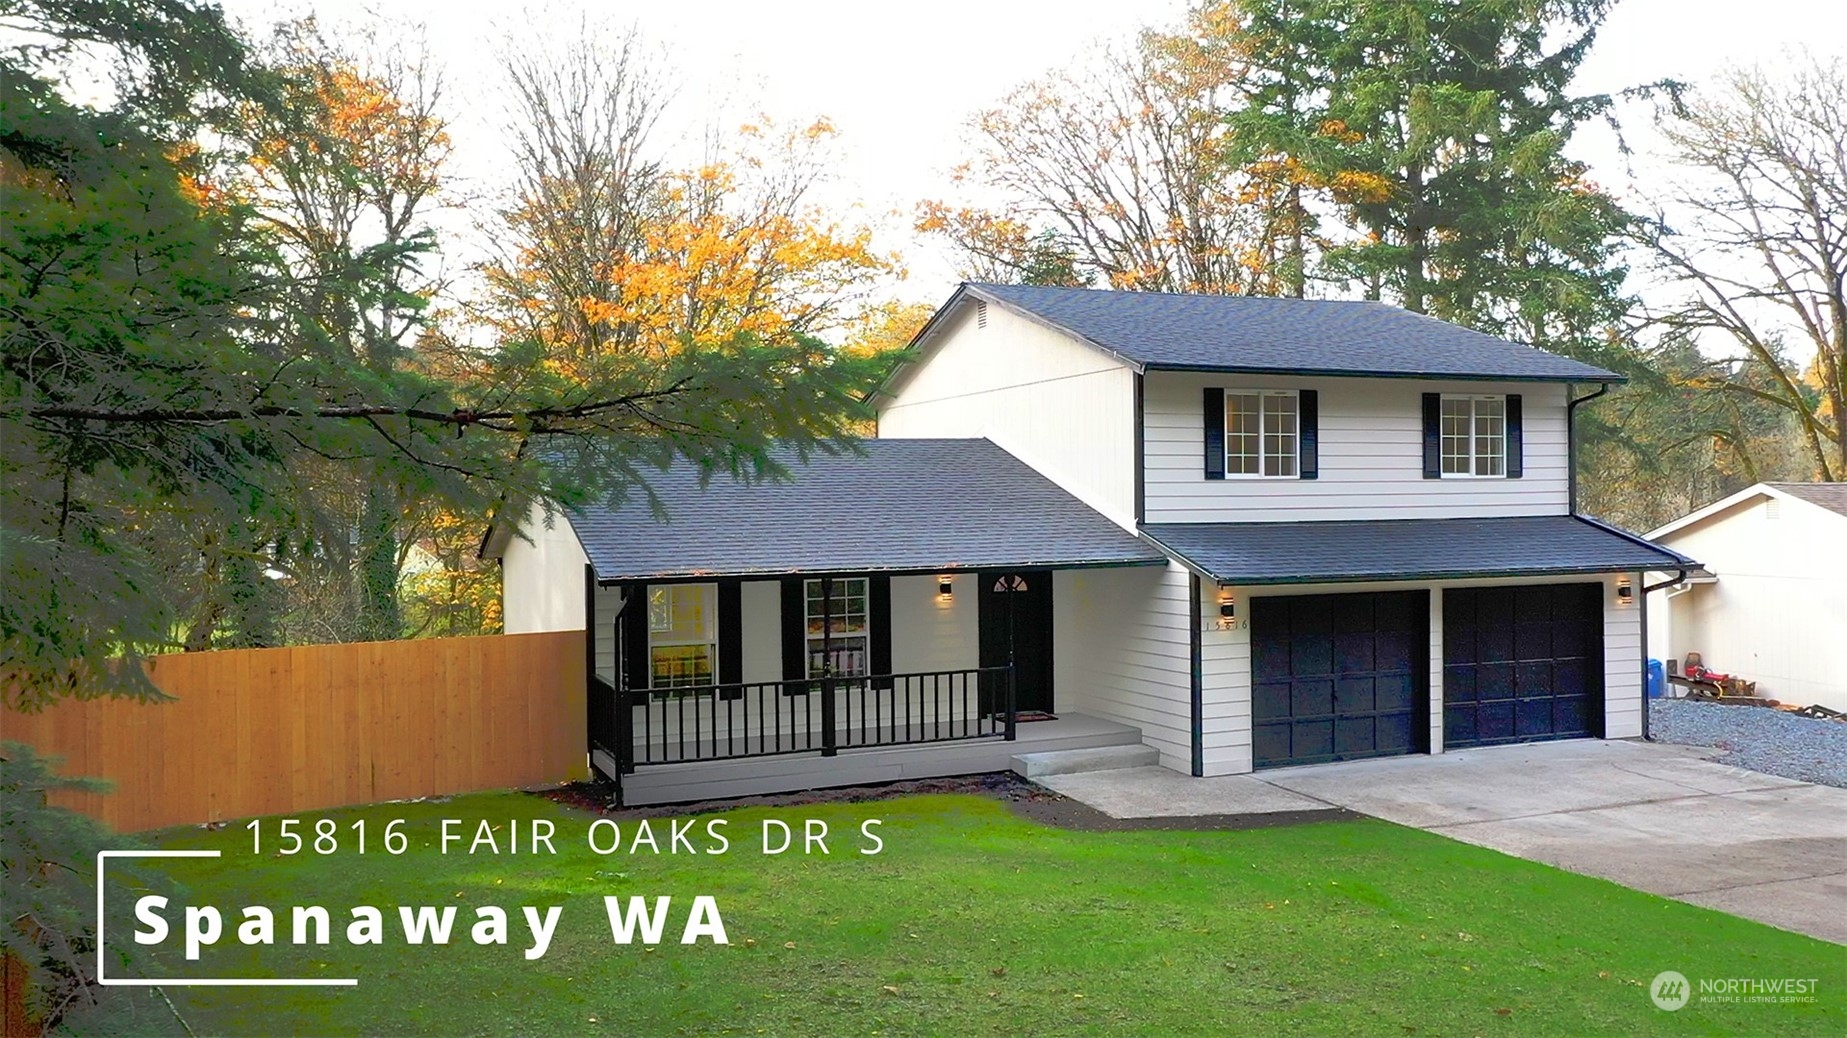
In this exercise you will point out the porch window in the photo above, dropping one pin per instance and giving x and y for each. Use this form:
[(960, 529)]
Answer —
[(1474, 435), (1262, 432), (682, 635), (844, 649)]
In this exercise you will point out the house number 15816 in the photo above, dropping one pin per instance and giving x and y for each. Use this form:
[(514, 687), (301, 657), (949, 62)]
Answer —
[(325, 837)]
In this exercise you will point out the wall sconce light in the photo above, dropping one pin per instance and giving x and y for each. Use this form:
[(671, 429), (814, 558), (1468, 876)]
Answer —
[(1228, 609), (1624, 592), (945, 588)]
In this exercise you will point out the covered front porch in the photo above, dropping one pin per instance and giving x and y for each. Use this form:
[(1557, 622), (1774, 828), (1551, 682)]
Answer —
[(883, 616), (716, 778)]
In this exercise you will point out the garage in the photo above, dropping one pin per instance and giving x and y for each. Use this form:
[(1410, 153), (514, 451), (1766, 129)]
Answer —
[(1339, 677), (1522, 664)]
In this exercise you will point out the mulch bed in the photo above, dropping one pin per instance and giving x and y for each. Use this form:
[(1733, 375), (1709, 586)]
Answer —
[(1023, 798)]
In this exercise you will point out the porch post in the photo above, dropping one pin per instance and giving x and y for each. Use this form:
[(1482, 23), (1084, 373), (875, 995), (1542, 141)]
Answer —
[(1013, 711), (1013, 663), (625, 718), (829, 743), (590, 696)]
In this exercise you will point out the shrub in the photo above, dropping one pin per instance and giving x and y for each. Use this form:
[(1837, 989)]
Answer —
[(48, 890)]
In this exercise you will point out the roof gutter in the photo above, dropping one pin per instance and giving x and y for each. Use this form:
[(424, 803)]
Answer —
[(1420, 376), (1680, 576), (1571, 441)]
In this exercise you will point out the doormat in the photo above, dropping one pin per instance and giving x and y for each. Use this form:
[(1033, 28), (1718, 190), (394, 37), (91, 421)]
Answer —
[(1034, 715)]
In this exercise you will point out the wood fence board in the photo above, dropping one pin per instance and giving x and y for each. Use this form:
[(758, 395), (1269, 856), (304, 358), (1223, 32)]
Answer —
[(283, 731)]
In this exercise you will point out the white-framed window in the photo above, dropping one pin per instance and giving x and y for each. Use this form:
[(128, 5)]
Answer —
[(1474, 435), (682, 635), (844, 648), (1262, 432)]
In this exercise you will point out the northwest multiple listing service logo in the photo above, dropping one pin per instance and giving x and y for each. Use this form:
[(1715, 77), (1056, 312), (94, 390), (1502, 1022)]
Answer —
[(648, 919), (1671, 991)]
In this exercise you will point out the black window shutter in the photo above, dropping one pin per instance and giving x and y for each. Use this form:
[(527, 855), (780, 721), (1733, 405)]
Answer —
[(1433, 436), (878, 591), (1308, 407), (1215, 434), (1516, 437), (730, 637), (635, 637), (794, 634)]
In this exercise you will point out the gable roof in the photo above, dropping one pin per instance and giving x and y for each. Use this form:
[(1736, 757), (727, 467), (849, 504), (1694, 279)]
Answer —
[(1831, 497), (1175, 332), (1409, 549), (920, 506)]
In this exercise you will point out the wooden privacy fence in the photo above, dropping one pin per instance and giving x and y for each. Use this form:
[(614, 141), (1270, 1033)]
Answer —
[(274, 731)]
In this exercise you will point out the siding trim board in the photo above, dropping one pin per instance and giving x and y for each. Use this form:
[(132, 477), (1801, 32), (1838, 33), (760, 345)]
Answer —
[(1197, 673)]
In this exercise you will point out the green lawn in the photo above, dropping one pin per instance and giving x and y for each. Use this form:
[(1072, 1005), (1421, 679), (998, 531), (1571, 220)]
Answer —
[(975, 922)]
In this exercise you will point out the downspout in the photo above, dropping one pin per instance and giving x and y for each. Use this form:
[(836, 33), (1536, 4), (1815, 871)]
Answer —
[(1571, 460), (1679, 577), (1141, 451), (1198, 697)]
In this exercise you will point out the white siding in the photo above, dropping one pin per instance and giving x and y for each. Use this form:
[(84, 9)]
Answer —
[(931, 634), (1778, 611), (1225, 663), (1622, 664), (1371, 455), (1123, 653), (761, 603), (1064, 408), (542, 587), (542, 582)]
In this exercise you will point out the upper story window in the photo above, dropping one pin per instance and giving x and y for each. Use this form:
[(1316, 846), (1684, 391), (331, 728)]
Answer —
[(1262, 432), (1474, 430), (682, 635), (843, 647)]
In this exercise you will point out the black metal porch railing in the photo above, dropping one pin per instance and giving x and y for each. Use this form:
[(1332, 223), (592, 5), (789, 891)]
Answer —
[(825, 715)]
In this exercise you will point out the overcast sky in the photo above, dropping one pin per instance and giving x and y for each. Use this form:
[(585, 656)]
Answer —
[(898, 79)]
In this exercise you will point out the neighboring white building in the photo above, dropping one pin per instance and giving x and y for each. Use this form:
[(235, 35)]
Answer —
[(1771, 603), (1244, 532)]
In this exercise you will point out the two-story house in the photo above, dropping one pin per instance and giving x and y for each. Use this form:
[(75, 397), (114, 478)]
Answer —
[(1242, 532)]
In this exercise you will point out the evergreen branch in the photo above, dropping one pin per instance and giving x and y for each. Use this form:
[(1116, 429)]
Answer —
[(460, 417)]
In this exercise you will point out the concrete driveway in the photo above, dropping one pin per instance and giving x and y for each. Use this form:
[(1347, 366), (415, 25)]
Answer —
[(1658, 818)]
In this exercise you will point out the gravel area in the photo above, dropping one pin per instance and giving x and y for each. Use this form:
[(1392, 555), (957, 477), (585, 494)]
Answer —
[(1759, 738)]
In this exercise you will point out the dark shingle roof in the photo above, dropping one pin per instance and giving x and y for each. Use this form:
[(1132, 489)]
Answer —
[(1299, 336), (1832, 496), (903, 505), (1409, 549)]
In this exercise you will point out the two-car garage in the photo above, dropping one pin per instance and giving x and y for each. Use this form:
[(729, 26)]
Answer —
[(1347, 676), (1377, 637)]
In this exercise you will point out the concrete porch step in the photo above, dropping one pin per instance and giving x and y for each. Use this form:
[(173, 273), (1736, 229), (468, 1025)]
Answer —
[(1096, 758)]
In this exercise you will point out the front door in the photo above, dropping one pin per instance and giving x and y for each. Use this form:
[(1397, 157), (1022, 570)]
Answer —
[(1016, 623)]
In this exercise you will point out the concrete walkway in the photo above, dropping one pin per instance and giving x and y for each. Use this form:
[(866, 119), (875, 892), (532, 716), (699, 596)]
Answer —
[(1658, 818)]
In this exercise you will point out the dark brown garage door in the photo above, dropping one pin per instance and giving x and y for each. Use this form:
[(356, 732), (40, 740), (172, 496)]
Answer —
[(1522, 663), (1338, 677)]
